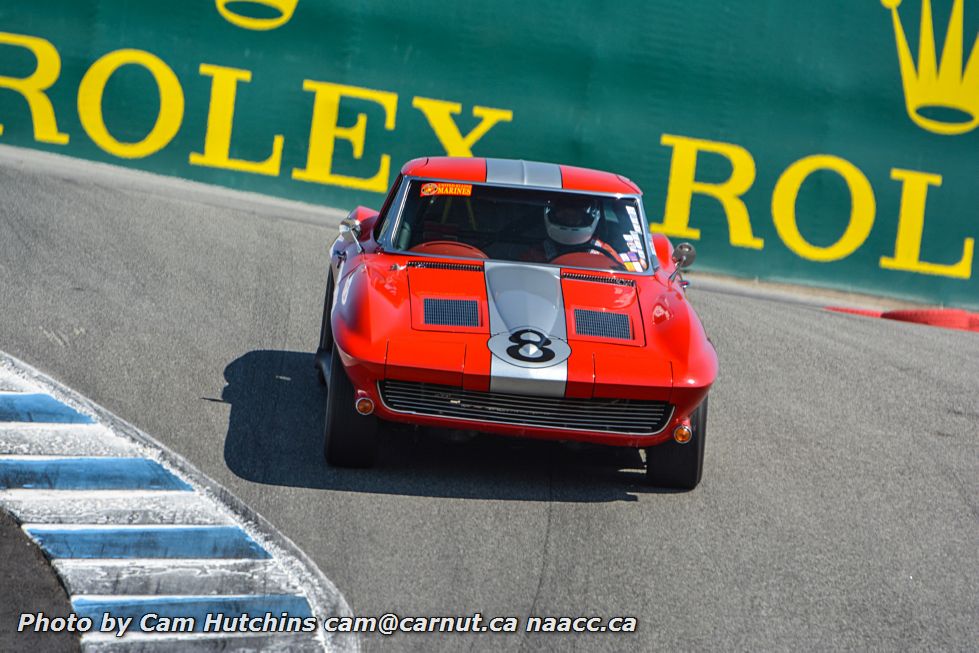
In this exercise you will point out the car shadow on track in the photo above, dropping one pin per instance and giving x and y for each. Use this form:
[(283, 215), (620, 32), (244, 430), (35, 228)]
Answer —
[(275, 436)]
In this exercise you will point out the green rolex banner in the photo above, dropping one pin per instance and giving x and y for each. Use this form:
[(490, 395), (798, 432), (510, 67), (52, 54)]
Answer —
[(830, 143)]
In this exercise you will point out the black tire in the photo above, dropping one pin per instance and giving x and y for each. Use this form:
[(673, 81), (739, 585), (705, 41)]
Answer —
[(326, 326), (679, 466), (350, 439)]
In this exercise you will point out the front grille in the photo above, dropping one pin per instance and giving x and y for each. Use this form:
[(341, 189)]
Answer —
[(452, 312), (624, 416), (436, 265), (615, 281), (602, 324)]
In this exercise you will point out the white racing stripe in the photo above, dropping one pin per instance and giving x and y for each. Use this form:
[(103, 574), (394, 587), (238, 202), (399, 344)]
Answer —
[(132, 529), (526, 297), (523, 173)]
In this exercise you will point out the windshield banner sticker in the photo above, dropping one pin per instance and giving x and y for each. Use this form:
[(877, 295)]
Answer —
[(432, 188)]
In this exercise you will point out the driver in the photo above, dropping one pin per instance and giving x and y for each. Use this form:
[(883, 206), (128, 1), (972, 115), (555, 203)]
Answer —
[(571, 223)]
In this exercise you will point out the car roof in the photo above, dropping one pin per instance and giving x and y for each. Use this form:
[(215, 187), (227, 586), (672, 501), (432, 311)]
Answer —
[(519, 173)]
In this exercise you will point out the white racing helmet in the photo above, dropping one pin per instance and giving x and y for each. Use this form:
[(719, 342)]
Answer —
[(572, 220)]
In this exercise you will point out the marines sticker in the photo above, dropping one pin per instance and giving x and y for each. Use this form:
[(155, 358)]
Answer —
[(432, 188)]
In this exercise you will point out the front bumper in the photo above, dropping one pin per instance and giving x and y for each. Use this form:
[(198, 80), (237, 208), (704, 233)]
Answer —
[(635, 423), (628, 417)]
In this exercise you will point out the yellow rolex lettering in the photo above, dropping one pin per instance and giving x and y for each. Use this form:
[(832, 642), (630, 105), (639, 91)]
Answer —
[(33, 87), (863, 207), (683, 184), (284, 7), (220, 118), (169, 116), (324, 132), (911, 225), (439, 115)]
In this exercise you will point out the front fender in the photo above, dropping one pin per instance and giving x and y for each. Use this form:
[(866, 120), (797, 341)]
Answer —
[(675, 329), (370, 305)]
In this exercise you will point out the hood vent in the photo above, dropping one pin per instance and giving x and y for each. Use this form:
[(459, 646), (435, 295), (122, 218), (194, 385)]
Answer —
[(578, 276), (435, 265), (451, 312), (602, 324)]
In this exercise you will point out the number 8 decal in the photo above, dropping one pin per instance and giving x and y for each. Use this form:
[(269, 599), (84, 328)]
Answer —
[(530, 346)]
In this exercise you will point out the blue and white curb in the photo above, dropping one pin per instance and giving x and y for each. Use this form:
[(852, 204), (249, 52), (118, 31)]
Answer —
[(133, 529)]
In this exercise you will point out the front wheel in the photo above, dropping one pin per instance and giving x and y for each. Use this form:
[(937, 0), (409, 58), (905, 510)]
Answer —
[(326, 327), (679, 466), (350, 439)]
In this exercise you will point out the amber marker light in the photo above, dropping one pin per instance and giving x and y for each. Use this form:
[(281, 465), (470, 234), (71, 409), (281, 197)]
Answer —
[(364, 405), (682, 434)]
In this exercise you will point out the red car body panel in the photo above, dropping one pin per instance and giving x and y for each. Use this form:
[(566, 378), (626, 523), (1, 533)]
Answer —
[(474, 170), (446, 168), (380, 334), (596, 181)]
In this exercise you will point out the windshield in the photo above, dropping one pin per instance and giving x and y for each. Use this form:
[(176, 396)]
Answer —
[(519, 224)]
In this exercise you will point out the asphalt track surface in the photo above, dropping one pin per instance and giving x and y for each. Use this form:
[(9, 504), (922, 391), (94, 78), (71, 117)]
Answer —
[(839, 508), (36, 591)]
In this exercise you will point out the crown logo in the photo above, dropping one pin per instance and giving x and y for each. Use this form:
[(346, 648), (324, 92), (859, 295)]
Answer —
[(941, 96), (283, 8)]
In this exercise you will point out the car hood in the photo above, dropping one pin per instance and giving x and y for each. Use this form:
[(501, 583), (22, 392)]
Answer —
[(524, 297), (542, 327), (509, 297)]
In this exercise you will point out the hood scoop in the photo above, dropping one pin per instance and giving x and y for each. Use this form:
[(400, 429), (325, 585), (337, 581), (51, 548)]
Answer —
[(525, 296), (451, 312)]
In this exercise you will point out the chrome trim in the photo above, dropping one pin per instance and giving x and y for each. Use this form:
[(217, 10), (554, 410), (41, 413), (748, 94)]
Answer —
[(685, 442), (358, 400), (350, 233), (605, 417), (390, 226)]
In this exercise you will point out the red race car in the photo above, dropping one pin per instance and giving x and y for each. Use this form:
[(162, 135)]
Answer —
[(519, 298)]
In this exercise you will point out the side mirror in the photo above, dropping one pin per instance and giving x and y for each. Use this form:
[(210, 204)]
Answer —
[(684, 255), (350, 232)]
